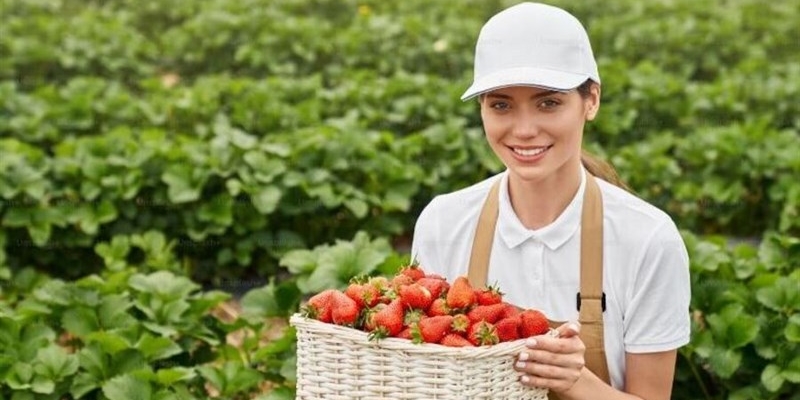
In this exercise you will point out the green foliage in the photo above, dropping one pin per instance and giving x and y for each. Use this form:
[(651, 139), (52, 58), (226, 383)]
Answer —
[(746, 310), (150, 150)]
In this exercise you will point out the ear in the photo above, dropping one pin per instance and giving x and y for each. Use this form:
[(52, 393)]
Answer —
[(592, 103)]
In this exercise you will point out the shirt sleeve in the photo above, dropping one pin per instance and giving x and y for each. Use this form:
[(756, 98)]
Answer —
[(657, 317)]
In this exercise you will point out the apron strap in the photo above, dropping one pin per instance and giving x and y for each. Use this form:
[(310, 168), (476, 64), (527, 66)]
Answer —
[(591, 302)]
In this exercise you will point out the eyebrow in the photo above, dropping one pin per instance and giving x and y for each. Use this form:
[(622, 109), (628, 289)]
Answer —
[(535, 96)]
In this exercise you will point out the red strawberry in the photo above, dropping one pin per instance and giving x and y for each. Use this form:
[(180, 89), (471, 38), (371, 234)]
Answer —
[(413, 316), (486, 313), (438, 307), (344, 310), (533, 323), (435, 286), (369, 323), (461, 294), (365, 295), (432, 329), (415, 296), (482, 333), (461, 323), (489, 295), (405, 334), (454, 340), (508, 328), (413, 271), (319, 306), (388, 321), (401, 280), (435, 276), (510, 310)]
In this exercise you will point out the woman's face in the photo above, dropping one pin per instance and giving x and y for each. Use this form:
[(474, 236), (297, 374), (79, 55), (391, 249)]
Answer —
[(536, 132)]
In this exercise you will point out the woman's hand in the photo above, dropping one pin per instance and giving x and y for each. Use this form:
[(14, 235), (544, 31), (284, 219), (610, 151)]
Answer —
[(553, 362)]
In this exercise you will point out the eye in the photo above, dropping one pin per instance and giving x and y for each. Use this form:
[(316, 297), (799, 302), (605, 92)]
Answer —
[(500, 105), (549, 104)]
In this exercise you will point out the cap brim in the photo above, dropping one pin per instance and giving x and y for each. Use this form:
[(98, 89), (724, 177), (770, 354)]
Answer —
[(536, 77)]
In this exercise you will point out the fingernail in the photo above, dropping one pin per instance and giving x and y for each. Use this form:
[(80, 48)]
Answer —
[(523, 356), (573, 327), (525, 379), (530, 342), (520, 364)]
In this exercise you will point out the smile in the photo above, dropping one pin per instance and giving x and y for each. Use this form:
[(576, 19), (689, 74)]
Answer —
[(530, 152)]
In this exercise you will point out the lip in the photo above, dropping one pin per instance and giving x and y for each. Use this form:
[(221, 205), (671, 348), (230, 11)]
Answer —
[(529, 158)]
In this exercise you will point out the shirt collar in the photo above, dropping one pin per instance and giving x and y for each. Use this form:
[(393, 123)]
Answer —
[(514, 233)]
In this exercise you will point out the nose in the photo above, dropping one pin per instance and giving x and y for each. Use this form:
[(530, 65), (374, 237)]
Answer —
[(526, 125)]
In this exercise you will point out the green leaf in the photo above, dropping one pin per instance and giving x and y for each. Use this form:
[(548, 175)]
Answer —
[(164, 284), (43, 385), (782, 296), (358, 207), (80, 321), (772, 378), (82, 384), (792, 330), (266, 198), (299, 262), (724, 362), (55, 364), (20, 376), (733, 327), (792, 371), (109, 341), (156, 348), (169, 376), (127, 387), (184, 182), (281, 393), (270, 301)]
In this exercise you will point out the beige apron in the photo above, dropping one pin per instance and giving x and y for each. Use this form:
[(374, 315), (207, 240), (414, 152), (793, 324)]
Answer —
[(590, 299)]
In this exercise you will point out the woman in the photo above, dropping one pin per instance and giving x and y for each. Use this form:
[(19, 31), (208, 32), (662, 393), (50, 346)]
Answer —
[(553, 231)]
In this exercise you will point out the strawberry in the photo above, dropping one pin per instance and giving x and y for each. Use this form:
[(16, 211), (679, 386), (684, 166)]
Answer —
[(436, 276), (438, 307), (482, 333), (454, 340), (432, 329), (401, 280), (369, 314), (413, 271), (344, 310), (461, 323), (461, 294), (436, 286), (508, 328), (365, 295), (510, 310), (319, 306), (489, 295), (388, 321), (533, 323), (415, 296), (486, 313), (413, 316), (405, 334)]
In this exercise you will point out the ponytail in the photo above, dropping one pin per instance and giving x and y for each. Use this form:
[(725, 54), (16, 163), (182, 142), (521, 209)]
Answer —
[(602, 170)]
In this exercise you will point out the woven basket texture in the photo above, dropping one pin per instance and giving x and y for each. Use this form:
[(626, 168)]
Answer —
[(340, 363)]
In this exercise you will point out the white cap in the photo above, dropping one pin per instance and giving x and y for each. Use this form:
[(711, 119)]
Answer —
[(532, 44)]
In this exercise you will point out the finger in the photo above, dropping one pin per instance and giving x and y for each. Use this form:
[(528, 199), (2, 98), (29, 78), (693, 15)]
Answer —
[(543, 357), (569, 329)]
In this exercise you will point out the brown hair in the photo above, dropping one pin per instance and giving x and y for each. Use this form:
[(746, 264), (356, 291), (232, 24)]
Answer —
[(596, 166)]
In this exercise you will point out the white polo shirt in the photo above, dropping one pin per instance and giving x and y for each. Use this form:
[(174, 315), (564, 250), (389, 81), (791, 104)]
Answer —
[(645, 264)]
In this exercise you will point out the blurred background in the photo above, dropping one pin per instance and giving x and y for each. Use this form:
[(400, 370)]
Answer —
[(176, 177)]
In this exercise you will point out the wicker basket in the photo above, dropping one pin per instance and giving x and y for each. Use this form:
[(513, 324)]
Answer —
[(339, 363)]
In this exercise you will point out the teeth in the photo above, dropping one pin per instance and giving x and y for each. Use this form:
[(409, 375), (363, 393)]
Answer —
[(530, 152)]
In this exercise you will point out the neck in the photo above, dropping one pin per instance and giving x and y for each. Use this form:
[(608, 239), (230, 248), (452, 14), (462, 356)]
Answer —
[(538, 203)]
